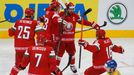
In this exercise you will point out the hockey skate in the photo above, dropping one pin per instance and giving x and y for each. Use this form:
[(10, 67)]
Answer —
[(73, 68)]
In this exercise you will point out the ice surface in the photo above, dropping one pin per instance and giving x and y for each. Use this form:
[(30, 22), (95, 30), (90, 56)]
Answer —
[(125, 61)]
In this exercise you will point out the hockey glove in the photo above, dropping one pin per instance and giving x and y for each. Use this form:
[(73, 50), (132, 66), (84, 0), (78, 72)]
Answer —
[(122, 50), (83, 43), (41, 19), (95, 25), (11, 32), (118, 49)]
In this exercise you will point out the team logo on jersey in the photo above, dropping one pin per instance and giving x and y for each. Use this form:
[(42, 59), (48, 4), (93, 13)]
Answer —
[(117, 13), (68, 27)]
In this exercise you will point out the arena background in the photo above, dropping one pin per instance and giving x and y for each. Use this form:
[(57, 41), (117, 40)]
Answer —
[(14, 9)]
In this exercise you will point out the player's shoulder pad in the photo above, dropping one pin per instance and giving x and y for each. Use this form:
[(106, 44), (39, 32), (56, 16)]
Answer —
[(109, 39), (96, 41), (51, 51), (35, 21), (97, 44), (18, 21), (51, 13), (30, 48), (55, 15), (49, 48)]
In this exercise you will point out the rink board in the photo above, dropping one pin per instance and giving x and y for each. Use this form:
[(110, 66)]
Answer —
[(91, 34)]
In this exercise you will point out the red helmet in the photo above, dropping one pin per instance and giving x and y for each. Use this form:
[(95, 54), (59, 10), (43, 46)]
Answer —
[(29, 12), (70, 5), (55, 4), (100, 33), (41, 39)]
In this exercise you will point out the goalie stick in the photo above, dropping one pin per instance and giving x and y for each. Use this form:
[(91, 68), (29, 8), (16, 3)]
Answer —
[(105, 23)]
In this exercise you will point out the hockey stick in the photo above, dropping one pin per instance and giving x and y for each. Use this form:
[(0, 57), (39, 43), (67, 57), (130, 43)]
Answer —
[(86, 12), (5, 20), (105, 23), (62, 3), (69, 60), (67, 1)]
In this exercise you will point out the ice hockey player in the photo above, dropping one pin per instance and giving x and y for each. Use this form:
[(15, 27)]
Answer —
[(23, 31), (52, 22), (111, 68), (41, 59), (102, 49), (67, 41)]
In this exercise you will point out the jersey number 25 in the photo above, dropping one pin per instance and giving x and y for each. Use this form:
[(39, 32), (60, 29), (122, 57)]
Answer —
[(24, 33)]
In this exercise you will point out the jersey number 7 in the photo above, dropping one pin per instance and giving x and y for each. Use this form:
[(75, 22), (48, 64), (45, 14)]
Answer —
[(38, 56)]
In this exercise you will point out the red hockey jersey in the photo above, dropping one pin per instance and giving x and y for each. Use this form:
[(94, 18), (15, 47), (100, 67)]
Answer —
[(102, 51), (69, 30), (24, 31), (51, 25), (41, 60)]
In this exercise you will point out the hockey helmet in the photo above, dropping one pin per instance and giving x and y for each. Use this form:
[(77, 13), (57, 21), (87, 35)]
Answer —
[(41, 39), (55, 4), (111, 64), (70, 5), (29, 12), (100, 33)]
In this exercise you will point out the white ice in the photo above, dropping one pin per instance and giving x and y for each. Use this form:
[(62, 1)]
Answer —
[(125, 61)]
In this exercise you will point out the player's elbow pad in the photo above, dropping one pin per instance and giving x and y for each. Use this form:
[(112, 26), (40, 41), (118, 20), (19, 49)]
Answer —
[(92, 48)]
